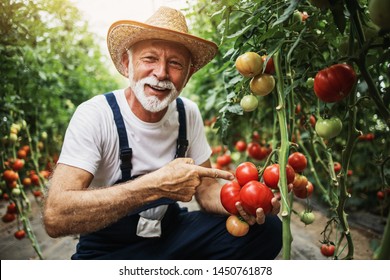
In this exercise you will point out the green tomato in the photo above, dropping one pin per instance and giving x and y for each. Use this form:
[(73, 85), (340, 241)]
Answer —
[(307, 217), (249, 103), (16, 191), (310, 82), (329, 128)]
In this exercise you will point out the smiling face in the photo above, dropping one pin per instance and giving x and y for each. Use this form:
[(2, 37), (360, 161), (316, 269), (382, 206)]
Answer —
[(158, 71)]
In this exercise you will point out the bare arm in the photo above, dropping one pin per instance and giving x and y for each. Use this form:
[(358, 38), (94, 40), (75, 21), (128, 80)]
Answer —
[(72, 208)]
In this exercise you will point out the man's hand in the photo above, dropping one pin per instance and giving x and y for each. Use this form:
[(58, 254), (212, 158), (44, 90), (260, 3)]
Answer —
[(260, 216), (179, 179)]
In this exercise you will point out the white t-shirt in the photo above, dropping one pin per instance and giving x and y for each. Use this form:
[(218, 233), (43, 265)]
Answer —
[(92, 143)]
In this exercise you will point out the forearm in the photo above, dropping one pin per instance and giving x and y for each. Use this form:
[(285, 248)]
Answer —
[(82, 211)]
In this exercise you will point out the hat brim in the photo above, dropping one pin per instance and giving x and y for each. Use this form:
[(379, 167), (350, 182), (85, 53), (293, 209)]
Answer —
[(125, 33)]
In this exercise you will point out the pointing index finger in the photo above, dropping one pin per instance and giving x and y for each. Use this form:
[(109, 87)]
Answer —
[(214, 173)]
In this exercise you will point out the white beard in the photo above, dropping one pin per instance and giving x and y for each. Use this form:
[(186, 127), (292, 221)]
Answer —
[(152, 103)]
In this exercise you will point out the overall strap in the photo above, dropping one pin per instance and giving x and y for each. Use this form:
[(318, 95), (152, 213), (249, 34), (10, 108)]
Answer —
[(182, 142), (126, 152)]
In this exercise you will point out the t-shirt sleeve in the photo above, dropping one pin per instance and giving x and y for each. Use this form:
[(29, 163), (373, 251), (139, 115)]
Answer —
[(82, 142), (199, 149)]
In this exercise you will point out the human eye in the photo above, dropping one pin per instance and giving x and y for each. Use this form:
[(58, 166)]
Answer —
[(176, 64)]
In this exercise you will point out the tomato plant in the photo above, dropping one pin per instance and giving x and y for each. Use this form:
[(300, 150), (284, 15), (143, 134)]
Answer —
[(245, 172), (236, 226), (334, 83), (256, 195), (329, 128), (230, 195), (271, 175)]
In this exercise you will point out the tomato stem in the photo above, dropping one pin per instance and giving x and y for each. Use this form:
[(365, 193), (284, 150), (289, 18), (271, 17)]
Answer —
[(283, 155)]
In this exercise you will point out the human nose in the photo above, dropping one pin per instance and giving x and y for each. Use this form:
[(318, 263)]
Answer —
[(161, 71)]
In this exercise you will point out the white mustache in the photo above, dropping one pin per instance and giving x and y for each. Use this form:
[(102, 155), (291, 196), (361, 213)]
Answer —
[(154, 82)]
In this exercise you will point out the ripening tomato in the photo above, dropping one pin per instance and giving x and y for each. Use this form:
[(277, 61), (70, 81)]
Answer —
[(249, 64), (334, 83), (246, 172), (270, 66), (300, 182), (230, 195), (271, 175), (236, 226), (240, 145), (256, 195), (10, 175), (297, 161), (329, 128), (20, 234), (380, 195), (262, 84), (327, 250), (22, 154), (304, 192)]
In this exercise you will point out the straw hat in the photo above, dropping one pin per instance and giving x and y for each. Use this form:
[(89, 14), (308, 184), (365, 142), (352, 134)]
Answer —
[(165, 24)]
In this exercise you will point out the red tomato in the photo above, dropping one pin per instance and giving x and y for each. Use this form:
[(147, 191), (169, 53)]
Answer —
[(337, 167), (256, 195), (304, 192), (229, 195), (327, 250), (297, 161), (236, 226), (240, 145), (22, 154), (271, 175), (10, 175), (270, 66), (8, 217), (256, 151), (34, 179), (11, 208), (380, 195), (18, 164), (224, 160), (246, 172), (20, 234), (334, 83)]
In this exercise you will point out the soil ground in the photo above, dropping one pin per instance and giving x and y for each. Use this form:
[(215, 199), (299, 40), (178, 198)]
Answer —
[(365, 229)]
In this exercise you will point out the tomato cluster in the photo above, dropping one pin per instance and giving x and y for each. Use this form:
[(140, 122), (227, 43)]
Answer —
[(19, 175), (260, 69), (247, 190)]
